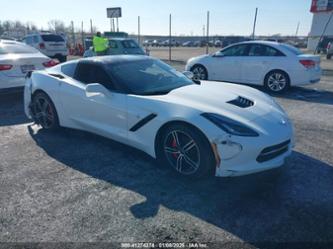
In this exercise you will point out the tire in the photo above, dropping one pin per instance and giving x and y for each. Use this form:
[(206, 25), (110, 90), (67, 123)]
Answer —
[(328, 56), (44, 112), (277, 81), (199, 72), (186, 150)]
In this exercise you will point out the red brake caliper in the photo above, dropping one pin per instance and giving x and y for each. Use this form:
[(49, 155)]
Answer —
[(174, 145)]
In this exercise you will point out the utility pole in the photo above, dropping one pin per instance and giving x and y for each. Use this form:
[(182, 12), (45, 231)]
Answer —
[(254, 24), (139, 38), (297, 29), (207, 37), (117, 24), (203, 30), (82, 33), (73, 33), (170, 37), (91, 27)]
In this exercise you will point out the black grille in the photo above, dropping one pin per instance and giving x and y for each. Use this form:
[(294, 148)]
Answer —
[(242, 102), (272, 152)]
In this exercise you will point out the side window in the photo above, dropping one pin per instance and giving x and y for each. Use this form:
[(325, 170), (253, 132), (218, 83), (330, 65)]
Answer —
[(238, 50), (69, 69), (90, 73), (262, 50)]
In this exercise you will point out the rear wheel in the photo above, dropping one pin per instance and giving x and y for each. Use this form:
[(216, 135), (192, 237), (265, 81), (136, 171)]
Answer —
[(44, 112), (186, 150), (277, 81), (199, 72)]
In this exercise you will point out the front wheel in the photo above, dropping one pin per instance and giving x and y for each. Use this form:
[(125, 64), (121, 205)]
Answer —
[(277, 81), (187, 151), (199, 72)]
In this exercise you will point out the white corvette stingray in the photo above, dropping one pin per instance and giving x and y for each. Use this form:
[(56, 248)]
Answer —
[(196, 128)]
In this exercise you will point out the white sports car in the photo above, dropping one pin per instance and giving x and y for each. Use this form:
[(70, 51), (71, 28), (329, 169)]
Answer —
[(196, 128)]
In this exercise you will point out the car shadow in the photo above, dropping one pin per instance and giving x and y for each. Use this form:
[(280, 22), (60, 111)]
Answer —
[(12, 109), (293, 203)]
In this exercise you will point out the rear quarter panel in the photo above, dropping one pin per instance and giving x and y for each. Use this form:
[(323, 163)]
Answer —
[(42, 81)]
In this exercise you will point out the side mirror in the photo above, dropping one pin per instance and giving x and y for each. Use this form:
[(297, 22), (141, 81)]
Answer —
[(96, 89), (189, 74)]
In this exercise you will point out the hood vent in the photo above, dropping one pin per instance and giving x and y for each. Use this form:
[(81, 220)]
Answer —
[(242, 102)]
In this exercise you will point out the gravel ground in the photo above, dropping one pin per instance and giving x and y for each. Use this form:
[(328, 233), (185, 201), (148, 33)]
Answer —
[(71, 186)]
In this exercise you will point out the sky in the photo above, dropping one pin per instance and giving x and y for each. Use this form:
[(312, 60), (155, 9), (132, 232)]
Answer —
[(227, 17)]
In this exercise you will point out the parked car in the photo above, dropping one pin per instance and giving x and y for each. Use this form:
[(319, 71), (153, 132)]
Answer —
[(277, 66), (147, 43), (329, 51), (52, 45), (188, 44), (16, 60), (156, 43), (218, 44), (119, 46), (195, 129), (173, 43)]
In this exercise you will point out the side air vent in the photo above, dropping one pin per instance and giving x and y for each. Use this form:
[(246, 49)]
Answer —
[(242, 102), (59, 76)]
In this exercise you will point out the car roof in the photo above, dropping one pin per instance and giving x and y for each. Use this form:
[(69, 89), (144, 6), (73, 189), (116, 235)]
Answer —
[(272, 43), (114, 59)]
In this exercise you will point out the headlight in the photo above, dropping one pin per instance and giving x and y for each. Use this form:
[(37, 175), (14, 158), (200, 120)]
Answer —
[(230, 126)]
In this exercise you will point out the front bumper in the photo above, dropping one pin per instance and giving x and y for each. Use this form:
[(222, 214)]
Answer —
[(246, 161), (246, 155)]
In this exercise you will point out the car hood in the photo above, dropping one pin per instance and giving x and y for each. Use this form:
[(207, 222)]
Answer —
[(215, 97)]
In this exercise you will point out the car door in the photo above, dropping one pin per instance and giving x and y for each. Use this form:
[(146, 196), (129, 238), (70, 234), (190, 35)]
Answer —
[(260, 60), (226, 65), (103, 114)]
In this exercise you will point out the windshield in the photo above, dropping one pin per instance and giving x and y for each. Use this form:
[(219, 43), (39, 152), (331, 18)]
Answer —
[(52, 38), (129, 44), (147, 76), (292, 49), (16, 49)]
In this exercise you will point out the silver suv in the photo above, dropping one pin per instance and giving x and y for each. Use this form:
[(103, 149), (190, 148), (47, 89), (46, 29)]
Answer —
[(52, 45)]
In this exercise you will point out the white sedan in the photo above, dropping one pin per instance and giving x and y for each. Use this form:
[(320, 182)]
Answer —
[(16, 60), (277, 66), (196, 128)]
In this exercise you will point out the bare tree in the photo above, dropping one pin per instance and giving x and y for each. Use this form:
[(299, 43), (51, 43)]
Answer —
[(57, 26)]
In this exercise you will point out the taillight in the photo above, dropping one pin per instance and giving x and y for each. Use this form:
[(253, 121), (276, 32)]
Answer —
[(50, 63), (308, 63), (42, 45), (5, 67)]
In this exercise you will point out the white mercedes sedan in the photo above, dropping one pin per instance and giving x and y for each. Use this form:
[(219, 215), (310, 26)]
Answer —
[(277, 66), (196, 128), (16, 60)]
